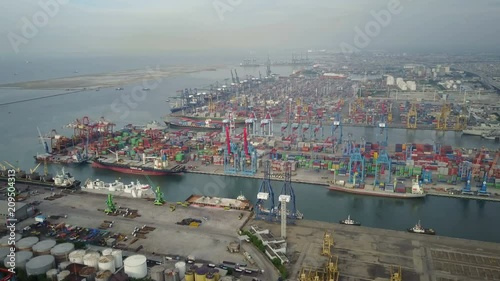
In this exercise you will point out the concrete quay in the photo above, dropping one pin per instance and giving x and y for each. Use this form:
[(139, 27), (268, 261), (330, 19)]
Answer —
[(322, 178), (368, 253)]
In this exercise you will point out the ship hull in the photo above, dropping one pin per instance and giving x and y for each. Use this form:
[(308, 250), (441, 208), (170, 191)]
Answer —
[(75, 184), (362, 191), (426, 232), (135, 170), (68, 162), (214, 119), (173, 125), (353, 224)]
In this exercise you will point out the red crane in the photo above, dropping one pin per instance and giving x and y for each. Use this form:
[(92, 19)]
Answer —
[(245, 141), (228, 140)]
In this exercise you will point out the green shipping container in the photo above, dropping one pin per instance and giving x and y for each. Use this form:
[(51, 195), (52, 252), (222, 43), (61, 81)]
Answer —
[(179, 157), (330, 165)]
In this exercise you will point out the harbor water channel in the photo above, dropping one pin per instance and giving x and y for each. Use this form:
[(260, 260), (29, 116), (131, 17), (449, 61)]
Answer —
[(461, 218)]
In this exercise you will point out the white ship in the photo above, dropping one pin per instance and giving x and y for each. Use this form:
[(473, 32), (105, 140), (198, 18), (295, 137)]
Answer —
[(491, 135), (480, 130), (65, 180), (135, 189)]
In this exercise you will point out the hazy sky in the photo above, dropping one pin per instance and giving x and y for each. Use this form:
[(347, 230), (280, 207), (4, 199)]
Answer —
[(122, 26)]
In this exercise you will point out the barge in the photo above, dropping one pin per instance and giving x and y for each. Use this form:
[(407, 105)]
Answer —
[(240, 203)]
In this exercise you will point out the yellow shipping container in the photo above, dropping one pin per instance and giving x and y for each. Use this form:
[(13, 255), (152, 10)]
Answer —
[(194, 224)]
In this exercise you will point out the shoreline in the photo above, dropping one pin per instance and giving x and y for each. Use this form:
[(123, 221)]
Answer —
[(428, 191)]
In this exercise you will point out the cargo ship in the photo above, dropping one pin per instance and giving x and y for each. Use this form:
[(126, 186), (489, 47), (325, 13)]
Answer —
[(73, 160), (206, 125), (137, 168), (416, 190), (218, 120), (421, 230), (62, 180)]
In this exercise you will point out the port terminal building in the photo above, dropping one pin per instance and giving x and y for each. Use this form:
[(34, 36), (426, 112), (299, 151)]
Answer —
[(275, 246)]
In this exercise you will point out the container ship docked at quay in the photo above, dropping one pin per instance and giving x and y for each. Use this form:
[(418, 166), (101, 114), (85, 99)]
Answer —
[(144, 150)]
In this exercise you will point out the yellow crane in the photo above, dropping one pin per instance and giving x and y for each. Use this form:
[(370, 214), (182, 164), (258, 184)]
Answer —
[(34, 169), (411, 120), (461, 123), (443, 118), (332, 269), (211, 105), (327, 244), (12, 166), (396, 274)]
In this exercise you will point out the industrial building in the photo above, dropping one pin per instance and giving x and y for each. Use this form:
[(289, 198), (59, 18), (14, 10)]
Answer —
[(22, 210), (275, 246)]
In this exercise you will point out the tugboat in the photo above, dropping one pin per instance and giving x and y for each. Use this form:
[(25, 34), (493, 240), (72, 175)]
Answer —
[(420, 230), (348, 221)]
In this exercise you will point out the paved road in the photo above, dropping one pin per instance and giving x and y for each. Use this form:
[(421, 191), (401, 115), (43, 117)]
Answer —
[(270, 272)]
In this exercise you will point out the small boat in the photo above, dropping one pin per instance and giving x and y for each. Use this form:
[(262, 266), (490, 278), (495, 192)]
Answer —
[(421, 230), (167, 100), (241, 197), (349, 221)]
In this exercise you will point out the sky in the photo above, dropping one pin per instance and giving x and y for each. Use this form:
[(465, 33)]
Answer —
[(150, 26)]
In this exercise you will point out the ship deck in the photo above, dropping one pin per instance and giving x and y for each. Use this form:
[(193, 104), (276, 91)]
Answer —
[(201, 200)]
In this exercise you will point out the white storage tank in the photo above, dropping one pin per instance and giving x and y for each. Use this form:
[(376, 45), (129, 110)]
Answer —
[(107, 252), (181, 266), (77, 256), (107, 263), (61, 251), (52, 274), (4, 251), (157, 273), (91, 259), (40, 265), (118, 255), (63, 274), (43, 247), (103, 275), (27, 243), (63, 265), (4, 241), (135, 266), (19, 260)]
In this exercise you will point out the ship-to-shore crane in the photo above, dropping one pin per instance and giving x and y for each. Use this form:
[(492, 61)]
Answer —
[(411, 120)]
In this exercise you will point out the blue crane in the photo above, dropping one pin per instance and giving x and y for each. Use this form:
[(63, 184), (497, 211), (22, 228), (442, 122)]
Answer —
[(265, 195), (483, 191), (356, 166), (467, 190), (337, 126), (287, 190), (383, 133), (383, 164)]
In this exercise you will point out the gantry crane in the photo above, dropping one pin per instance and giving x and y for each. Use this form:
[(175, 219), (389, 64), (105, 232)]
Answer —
[(327, 244), (442, 120), (411, 120), (332, 269), (461, 122), (396, 274)]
